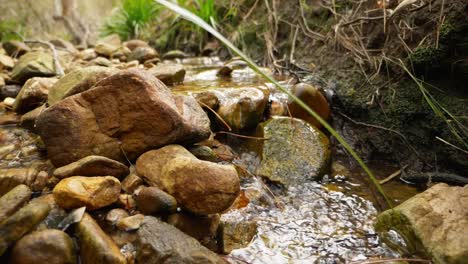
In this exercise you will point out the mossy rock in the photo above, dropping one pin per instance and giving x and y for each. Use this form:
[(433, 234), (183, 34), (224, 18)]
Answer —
[(293, 152), (33, 64)]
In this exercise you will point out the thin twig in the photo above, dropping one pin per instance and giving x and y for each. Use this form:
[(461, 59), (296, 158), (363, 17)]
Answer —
[(241, 136), (393, 175), (216, 114), (57, 66)]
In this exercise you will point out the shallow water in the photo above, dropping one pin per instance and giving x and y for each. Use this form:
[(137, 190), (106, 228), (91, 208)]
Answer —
[(328, 222)]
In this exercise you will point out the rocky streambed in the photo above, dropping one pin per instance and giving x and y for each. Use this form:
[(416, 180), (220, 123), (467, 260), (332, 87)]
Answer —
[(133, 157)]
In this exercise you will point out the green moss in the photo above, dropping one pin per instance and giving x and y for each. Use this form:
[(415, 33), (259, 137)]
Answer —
[(394, 220), (427, 55)]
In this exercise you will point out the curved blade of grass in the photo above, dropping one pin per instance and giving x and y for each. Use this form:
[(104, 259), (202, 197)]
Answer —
[(198, 21)]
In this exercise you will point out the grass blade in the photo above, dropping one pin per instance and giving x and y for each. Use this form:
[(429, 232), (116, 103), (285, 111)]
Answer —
[(201, 23)]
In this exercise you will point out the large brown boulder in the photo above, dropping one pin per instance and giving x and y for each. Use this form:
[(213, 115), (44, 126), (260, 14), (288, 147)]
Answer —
[(124, 115), (199, 186)]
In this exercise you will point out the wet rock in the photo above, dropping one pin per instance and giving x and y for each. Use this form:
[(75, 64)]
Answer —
[(92, 192), (135, 43), (6, 62), (432, 223), (114, 215), (204, 153), (9, 91), (20, 223), (210, 48), (131, 183), (130, 223), (57, 217), (33, 94), (314, 99), (160, 243), (28, 120), (236, 234), (143, 54), (78, 81), (174, 54), (127, 202), (225, 71), (48, 246), (203, 228), (200, 187), (13, 200), (130, 112), (15, 48), (33, 64), (294, 152), (152, 200), (32, 177), (241, 108), (95, 245), (93, 166), (168, 73)]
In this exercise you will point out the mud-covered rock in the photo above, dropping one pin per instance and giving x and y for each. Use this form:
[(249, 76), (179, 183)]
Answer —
[(152, 200), (161, 243), (78, 81), (123, 116), (201, 187), (93, 166), (20, 223), (95, 245), (49, 246), (168, 73), (33, 94), (92, 192), (13, 200), (432, 223), (33, 64), (294, 151)]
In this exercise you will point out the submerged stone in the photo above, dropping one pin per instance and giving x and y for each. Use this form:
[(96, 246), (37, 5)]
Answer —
[(432, 223), (293, 151)]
